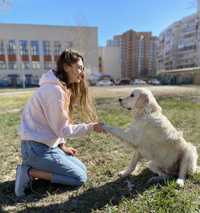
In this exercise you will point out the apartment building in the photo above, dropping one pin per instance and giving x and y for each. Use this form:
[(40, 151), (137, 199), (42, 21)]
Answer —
[(27, 51), (138, 53), (179, 44)]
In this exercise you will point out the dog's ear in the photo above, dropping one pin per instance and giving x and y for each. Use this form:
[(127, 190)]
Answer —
[(153, 105), (142, 100)]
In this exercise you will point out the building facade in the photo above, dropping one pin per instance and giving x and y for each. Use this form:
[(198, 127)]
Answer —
[(110, 61), (138, 54), (27, 51), (179, 44)]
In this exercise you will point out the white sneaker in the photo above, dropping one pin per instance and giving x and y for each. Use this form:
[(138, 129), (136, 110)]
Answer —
[(22, 180)]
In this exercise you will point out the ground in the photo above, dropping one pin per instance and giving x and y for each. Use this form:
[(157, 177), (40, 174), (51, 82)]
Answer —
[(104, 157)]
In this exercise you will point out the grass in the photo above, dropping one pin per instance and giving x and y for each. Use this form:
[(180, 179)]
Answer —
[(104, 157)]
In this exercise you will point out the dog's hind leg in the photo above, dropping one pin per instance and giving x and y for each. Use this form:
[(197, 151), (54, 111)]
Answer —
[(162, 176), (192, 162), (182, 170), (155, 169), (188, 165), (132, 165)]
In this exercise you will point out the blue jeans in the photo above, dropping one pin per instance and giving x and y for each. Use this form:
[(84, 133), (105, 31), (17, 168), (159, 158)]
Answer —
[(65, 169)]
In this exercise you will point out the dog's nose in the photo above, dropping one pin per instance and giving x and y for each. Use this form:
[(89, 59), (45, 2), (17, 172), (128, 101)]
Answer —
[(120, 99)]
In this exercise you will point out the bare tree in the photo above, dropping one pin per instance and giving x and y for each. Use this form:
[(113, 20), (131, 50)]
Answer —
[(5, 4)]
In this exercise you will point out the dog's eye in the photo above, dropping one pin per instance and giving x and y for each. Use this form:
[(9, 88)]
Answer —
[(132, 95)]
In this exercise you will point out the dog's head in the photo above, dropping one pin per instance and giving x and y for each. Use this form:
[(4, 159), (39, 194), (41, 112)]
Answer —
[(140, 101)]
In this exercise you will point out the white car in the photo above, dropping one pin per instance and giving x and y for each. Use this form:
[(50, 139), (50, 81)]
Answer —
[(154, 82), (139, 81), (104, 83)]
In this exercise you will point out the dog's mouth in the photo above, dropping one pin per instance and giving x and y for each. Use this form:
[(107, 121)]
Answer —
[(121, 104), (128, 108)]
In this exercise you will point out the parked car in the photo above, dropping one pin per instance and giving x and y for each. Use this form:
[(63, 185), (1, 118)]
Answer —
[(4, 83), (154, 81), (124, 82), (104, 83), (138, 82)]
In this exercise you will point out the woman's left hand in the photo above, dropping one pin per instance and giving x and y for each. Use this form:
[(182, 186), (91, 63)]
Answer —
[(68, 150)]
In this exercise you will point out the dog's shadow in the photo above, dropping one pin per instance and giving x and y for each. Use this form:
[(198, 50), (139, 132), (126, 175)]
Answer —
[(93, 198)]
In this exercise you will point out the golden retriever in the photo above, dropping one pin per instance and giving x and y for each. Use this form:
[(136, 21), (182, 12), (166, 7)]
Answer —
[(155, 139)]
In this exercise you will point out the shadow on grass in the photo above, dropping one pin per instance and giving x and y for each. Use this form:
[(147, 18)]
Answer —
[(96, 198), (40, 189)]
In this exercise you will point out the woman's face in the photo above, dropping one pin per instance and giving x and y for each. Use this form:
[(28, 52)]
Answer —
[(75, 72)]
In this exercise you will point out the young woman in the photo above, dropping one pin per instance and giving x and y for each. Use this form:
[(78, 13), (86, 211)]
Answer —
[(47, 121)]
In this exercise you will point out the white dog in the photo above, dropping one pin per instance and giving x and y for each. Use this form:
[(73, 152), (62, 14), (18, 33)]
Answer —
[(155, 139)]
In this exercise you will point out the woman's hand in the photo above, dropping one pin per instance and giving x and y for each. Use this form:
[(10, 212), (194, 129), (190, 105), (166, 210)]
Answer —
[(68, 150)]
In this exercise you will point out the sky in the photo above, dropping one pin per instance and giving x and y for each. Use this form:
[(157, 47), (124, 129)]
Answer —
[(112, 17)]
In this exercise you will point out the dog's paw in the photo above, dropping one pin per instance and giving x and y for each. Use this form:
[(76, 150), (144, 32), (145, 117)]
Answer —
[(123, 174), (180, 182)]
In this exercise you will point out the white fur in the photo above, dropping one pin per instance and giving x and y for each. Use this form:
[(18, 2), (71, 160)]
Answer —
[(155, 139)]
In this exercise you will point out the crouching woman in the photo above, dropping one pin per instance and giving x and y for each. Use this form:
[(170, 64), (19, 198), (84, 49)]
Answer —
[(47, 121)]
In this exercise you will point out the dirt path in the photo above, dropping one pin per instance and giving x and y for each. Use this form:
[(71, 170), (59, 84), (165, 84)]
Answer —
[(113, 91), (157, 90)]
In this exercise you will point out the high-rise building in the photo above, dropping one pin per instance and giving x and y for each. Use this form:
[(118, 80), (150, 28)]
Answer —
[(138, 53), (26, 51), (179, 44), (198, 5)]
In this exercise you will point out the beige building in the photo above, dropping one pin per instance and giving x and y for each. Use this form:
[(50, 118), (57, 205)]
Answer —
[(138, 54), (26, 51), (110, 61)]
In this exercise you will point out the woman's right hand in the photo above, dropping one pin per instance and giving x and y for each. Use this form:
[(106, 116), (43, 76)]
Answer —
[(97, 127)]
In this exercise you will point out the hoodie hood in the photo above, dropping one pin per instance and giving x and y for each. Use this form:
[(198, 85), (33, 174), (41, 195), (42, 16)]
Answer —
[(48, 78)]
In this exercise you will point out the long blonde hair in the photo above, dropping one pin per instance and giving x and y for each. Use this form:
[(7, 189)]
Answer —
[(80, 96)]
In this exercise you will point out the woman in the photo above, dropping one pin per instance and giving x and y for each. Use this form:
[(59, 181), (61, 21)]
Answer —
[(47, 120)]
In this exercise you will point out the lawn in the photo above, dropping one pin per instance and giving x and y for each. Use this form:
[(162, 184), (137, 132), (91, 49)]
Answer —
[(104, 157)]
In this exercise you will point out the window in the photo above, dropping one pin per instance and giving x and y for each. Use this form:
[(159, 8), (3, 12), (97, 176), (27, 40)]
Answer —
[(46, 48), (25, 65), (12, 65), (2, 65), (23, 47), (57, 48), (35, 65), (68, 44), (11, 47), (35, 48), (47, 65), (2, 48)]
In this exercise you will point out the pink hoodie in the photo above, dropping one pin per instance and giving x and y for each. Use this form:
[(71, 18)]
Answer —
[(44, 118)]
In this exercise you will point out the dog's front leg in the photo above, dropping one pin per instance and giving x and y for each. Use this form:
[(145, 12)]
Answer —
[(132, 165), (123, 135)]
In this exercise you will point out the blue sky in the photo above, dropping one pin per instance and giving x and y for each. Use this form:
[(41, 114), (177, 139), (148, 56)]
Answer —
[(110, 16)]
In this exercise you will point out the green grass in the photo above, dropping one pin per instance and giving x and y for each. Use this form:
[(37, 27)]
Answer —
[(104, 157), (13, 102)]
